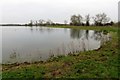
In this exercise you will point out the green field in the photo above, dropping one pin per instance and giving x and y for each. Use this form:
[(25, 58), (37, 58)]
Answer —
[(101, 63)]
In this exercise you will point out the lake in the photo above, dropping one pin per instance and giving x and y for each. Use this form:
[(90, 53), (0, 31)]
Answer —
[(31, 44)]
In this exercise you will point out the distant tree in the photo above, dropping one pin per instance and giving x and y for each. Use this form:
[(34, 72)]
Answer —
[(106, 20), (101, 19), (65, 22), (31, 23), (49, 22), (36, 23), (76, 20), (87, 19), (80, 19), (73, 20), (41, 22)]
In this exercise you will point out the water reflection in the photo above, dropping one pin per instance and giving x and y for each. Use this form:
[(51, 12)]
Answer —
[(40, 29), (30, 44), (75, 33), (87, 34), (99, 35)]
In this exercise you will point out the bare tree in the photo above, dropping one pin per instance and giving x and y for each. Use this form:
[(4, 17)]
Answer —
[(41, 21), (73, 20), (101, 19), (105, 20), (65, 22), (79, 19), (76, 20), (87, 19), (49, 22), (31, 23), (36, 23)]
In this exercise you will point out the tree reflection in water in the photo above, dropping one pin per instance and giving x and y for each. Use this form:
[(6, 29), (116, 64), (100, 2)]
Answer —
[(75, 33), (86, 36)]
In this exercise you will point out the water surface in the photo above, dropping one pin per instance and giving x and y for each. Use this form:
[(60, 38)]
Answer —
[(30, 44)]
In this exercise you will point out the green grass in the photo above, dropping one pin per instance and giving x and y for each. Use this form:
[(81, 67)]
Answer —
[(109, 28), (101, 63)]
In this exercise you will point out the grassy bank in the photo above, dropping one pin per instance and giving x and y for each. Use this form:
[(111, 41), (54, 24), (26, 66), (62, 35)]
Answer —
[(101, 63), (109, 28)]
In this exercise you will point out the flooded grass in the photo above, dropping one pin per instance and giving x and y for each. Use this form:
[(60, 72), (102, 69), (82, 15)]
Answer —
[(100, 63)]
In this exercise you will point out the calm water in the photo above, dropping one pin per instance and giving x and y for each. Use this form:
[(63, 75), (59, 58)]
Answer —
[(30, 44)]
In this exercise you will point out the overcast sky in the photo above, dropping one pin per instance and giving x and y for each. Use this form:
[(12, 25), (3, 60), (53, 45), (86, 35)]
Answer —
[(21, 11), (119, 11)]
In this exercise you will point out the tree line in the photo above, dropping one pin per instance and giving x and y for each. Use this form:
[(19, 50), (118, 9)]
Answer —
[(100, 19)]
